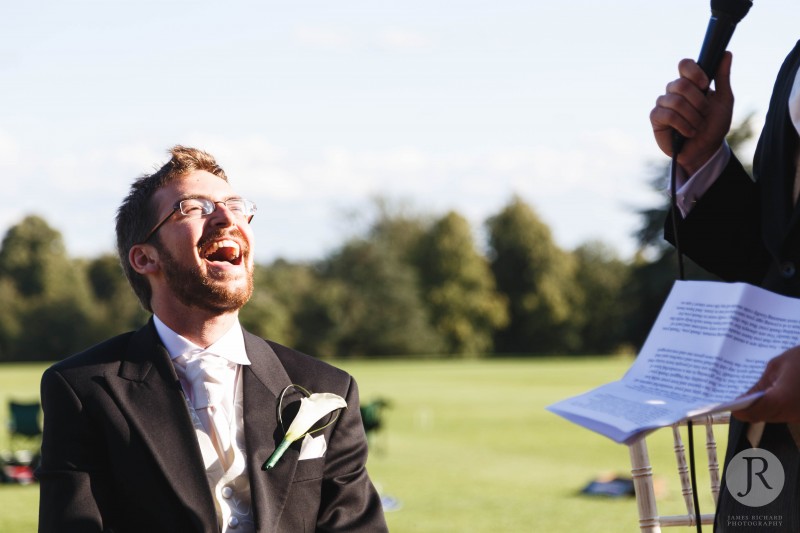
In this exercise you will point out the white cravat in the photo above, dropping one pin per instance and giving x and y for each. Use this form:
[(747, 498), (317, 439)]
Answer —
[(207, 374)]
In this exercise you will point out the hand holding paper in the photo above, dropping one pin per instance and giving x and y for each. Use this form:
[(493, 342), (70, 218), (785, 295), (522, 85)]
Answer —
[(707, 352), (780, 386)]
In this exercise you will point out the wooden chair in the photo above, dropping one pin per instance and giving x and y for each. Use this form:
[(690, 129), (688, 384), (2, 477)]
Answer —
[(642, 473)]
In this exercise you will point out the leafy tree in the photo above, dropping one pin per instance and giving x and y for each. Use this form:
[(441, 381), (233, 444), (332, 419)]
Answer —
[(458, 287), (377, 308), (106, 277), (55, 310), (279, 291), (603, 278), (538, 278), (10, 325), (365, 299), (33, 257), (55, 328), (324, 318), (117, 306), (398, 227)]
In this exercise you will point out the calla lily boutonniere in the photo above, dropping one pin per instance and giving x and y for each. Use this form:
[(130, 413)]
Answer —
[(312, 408)]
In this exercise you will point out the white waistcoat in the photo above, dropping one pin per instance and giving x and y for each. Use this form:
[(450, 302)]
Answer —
[(230, 487)]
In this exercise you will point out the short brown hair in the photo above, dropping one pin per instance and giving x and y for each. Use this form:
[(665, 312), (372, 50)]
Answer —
[(137, 215)]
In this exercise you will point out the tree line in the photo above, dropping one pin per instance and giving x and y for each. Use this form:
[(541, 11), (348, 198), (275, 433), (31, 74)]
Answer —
[(410, 284)]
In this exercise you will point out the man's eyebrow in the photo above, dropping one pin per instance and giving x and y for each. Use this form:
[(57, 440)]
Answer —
[(204, 197)]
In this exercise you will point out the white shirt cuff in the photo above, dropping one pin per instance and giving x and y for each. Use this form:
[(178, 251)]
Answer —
[(691, 189)]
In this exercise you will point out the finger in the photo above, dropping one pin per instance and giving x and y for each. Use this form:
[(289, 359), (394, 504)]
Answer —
[(690, 93), (674, 112), (763, 384), (722, 79), (690, 70)]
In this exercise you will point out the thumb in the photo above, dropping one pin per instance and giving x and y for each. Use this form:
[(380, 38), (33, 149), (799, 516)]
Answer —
[(722, 78), (768, 379), (761, 385), (758, 411)]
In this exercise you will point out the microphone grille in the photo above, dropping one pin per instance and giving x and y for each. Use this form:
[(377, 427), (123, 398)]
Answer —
[(733, 9)]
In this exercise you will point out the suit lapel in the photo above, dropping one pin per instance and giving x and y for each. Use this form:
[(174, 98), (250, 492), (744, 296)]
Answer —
[(775, 158), (790, 142), (264, 379), (149, 392)]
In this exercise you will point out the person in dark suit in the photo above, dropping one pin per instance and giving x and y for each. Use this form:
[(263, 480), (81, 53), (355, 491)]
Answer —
[(742, 229), (166, 429)]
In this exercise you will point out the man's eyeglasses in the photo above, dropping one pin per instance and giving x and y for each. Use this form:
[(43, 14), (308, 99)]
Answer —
[(200, 207)]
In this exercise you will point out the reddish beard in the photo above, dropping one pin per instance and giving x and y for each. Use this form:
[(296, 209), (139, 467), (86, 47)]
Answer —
[(195, 288)]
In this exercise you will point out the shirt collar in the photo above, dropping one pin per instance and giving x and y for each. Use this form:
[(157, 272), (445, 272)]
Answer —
[(230, 346)]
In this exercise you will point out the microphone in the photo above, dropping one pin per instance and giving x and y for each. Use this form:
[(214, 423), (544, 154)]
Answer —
[(725, 15)]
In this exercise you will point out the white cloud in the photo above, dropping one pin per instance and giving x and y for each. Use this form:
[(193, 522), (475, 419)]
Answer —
[(393, 39), (326, 38), (583, 191), (407, 40), (9, 151)]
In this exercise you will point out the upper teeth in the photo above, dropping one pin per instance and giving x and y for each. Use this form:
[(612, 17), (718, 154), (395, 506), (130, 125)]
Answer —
[(215, 246)]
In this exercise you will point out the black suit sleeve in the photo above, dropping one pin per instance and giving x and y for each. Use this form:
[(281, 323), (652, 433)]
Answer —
[(71, 476), (722, 232)]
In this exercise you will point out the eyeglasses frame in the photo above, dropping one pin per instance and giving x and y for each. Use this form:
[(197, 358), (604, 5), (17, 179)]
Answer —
[(177, 207)]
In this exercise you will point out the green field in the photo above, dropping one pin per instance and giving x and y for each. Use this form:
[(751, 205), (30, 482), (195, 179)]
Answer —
[(467, 447)]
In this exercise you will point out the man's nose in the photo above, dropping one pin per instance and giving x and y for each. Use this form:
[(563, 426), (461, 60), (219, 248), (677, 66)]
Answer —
[(222, 216)]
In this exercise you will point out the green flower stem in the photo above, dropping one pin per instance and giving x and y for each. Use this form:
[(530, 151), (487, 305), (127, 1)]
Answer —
[(276, 454)]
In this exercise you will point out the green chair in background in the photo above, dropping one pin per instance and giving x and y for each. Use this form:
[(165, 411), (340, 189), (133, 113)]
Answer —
[(25, 441), (372, 418), (25, 431)]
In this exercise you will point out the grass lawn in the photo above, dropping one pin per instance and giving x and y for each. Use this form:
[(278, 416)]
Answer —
[(19, 504), (467, 447)]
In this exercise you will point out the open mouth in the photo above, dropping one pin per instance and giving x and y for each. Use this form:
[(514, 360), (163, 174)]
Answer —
[(224, 251)]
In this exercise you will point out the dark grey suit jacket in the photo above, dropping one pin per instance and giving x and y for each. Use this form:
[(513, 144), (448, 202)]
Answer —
[(745, 230), (119, 451)]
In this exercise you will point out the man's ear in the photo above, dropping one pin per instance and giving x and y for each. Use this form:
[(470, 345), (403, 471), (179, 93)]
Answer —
[(144, 259)]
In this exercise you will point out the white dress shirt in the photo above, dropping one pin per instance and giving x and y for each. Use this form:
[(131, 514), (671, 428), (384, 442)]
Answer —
[(226, 468)]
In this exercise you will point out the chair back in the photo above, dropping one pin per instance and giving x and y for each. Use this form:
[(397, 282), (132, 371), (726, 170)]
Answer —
[(642, 473), (372, 414), (24, 419)]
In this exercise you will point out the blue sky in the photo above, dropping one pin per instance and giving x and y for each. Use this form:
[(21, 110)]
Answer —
[(314, 107)]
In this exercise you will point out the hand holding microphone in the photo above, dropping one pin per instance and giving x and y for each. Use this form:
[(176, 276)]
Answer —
[(725, 15), (688, 110)]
